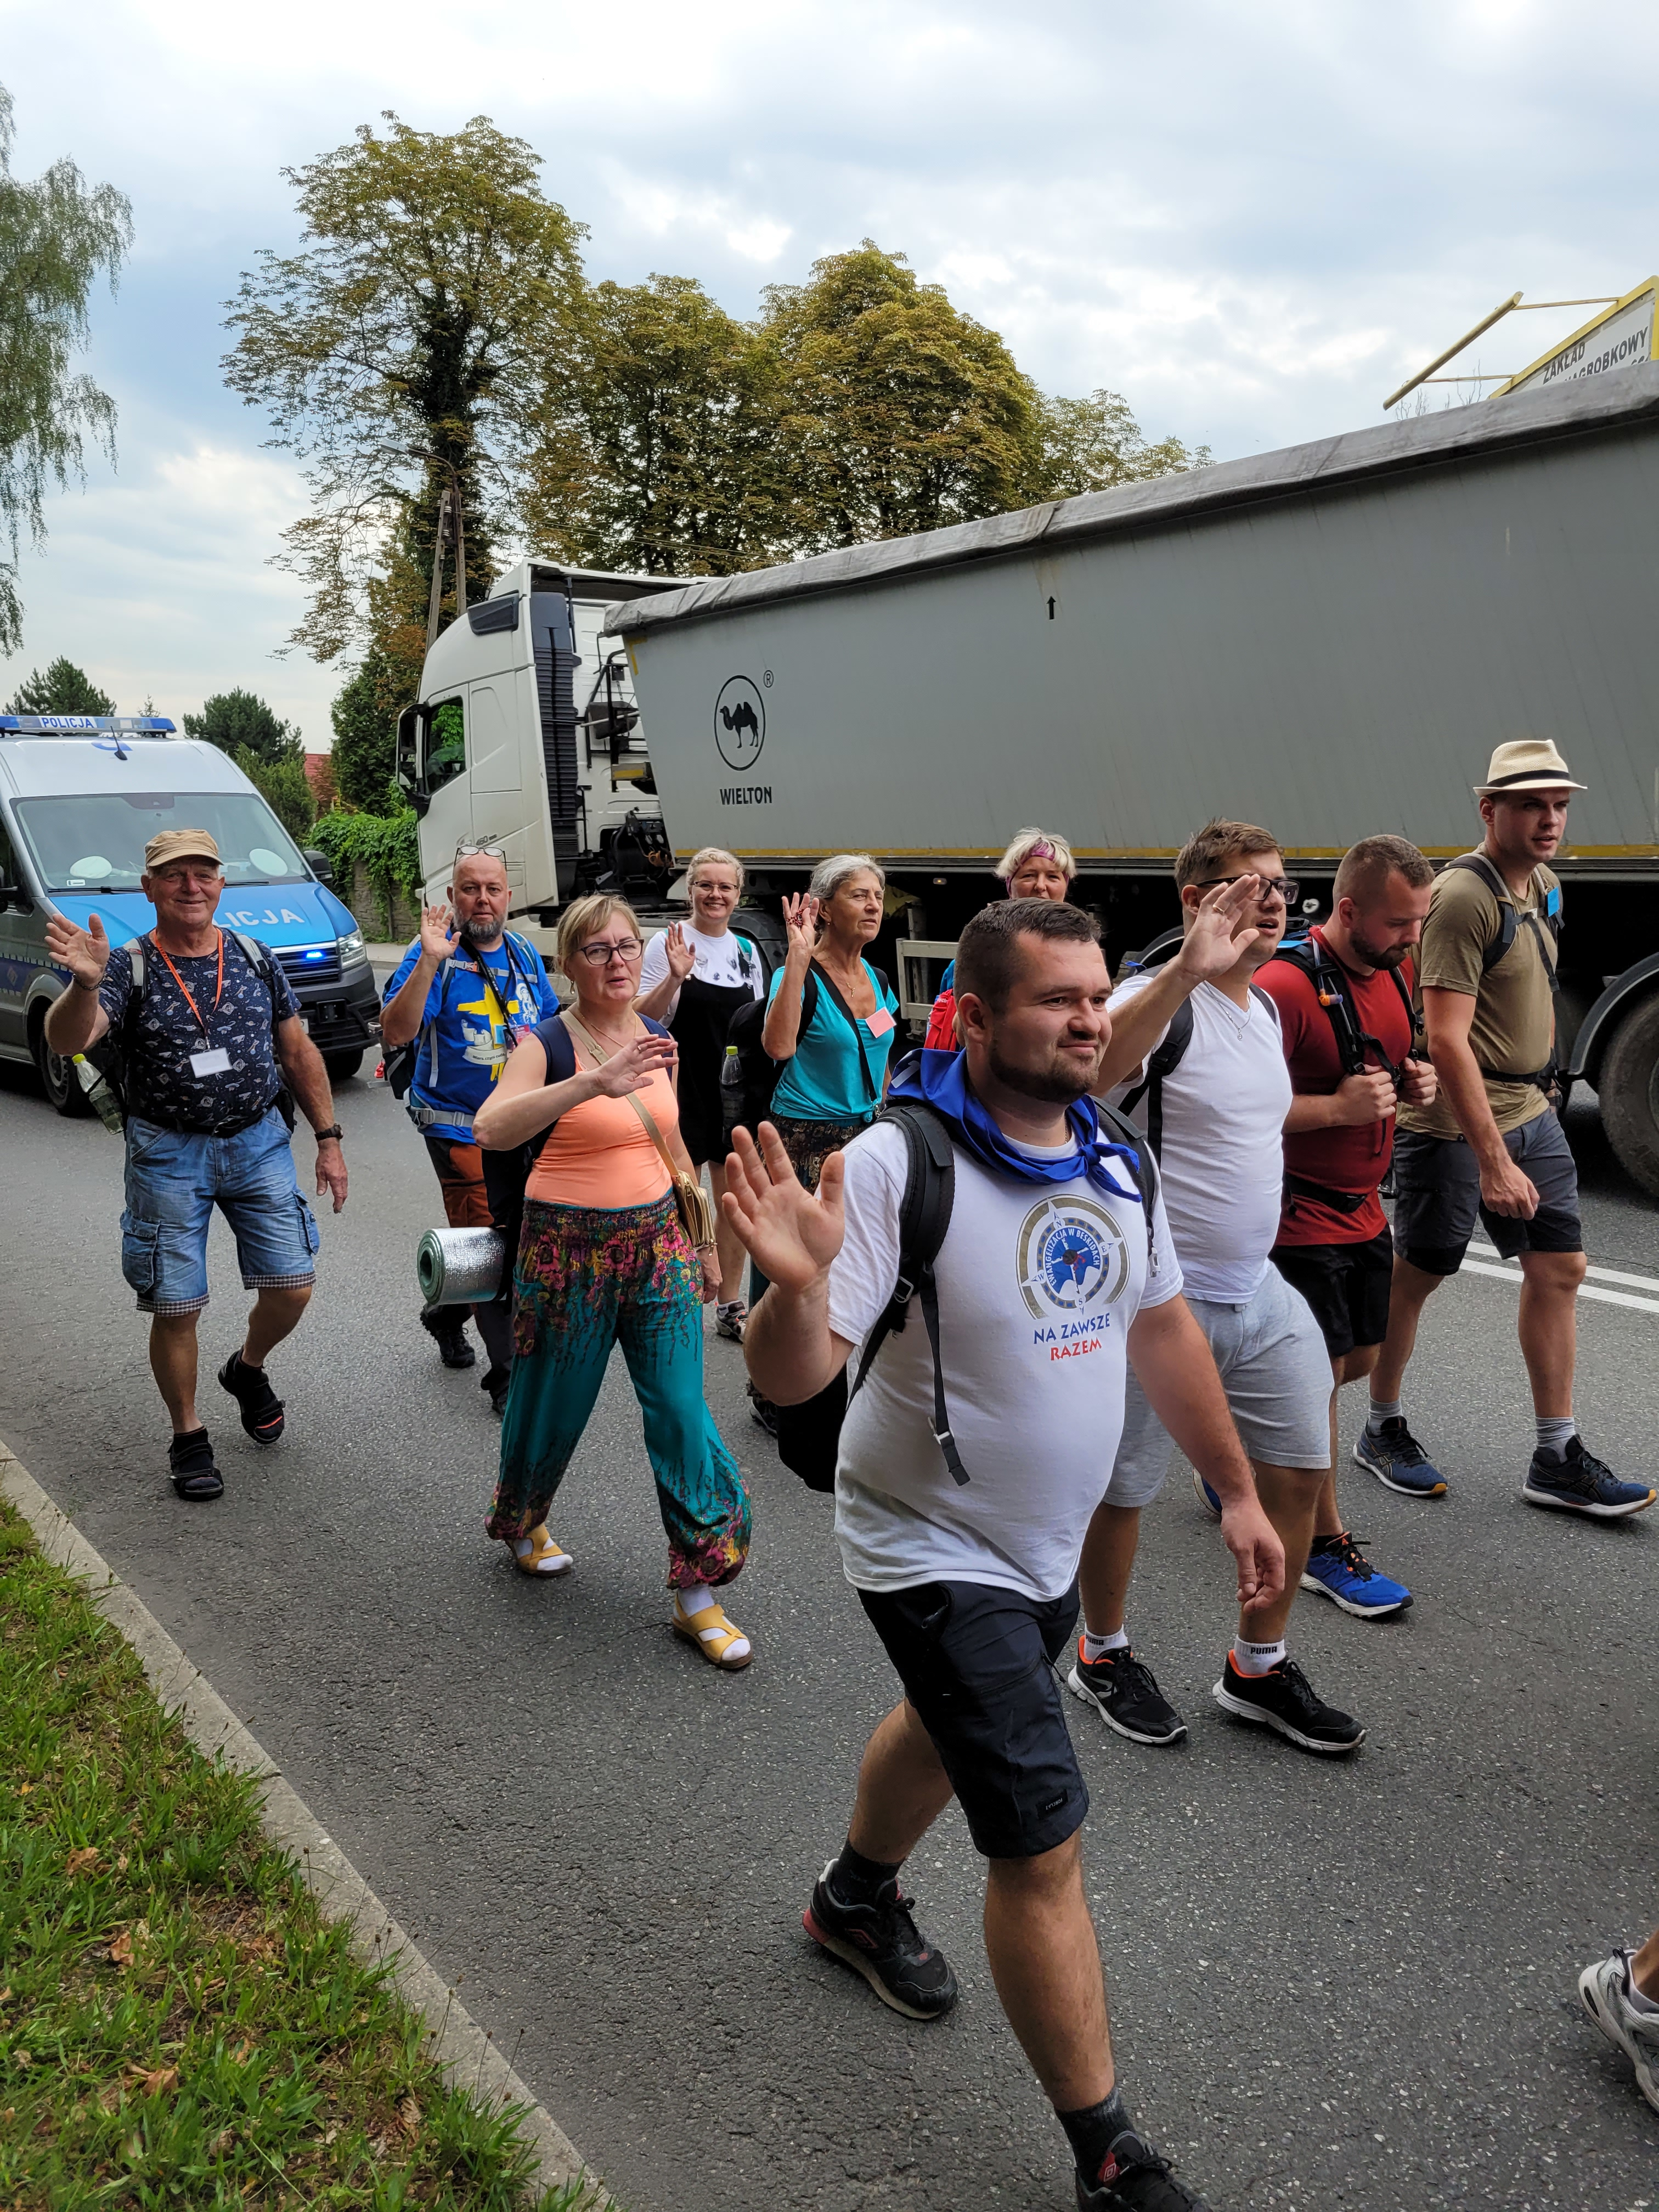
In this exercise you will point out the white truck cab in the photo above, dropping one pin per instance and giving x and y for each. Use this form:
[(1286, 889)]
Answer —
[(526, 734)]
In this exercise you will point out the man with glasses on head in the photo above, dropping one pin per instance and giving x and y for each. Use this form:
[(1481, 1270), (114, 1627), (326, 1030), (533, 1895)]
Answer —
[(211, 1042), (1196, 1060), (467, 988)]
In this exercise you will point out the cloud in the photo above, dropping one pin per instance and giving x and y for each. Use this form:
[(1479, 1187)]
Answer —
[(1253, 222)]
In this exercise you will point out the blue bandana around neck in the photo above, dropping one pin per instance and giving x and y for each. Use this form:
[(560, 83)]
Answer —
[(939, 1079)]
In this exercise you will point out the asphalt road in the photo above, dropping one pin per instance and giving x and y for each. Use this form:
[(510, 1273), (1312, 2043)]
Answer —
[(1344, 1985)]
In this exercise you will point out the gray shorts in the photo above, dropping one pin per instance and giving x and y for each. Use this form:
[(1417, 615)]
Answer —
[(1436, 1182), (1276, 1374)]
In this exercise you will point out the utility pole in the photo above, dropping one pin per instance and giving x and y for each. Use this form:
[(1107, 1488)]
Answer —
[(436, 597), (451, 512)]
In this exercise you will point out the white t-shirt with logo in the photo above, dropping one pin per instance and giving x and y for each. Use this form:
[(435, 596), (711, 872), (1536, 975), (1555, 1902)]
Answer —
[(1223, 1161), (719, 960), (1037, 1283)]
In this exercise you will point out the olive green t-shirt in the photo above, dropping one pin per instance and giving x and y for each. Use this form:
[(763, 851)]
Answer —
[(1514, 1024)]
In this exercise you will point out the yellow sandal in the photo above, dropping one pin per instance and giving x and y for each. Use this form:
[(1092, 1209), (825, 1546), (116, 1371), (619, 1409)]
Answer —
[(712, 1635), (544, 1558)]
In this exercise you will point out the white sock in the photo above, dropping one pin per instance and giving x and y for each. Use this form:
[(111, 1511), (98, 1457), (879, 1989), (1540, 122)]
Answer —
[(1256, 1658), (1633, 1996), (1096, 1647), (1382, 1409), (1553, 1434), (697, 1597)]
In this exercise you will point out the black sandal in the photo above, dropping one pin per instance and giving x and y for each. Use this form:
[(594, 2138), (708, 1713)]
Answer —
[(262, 1409), (196, 1478)]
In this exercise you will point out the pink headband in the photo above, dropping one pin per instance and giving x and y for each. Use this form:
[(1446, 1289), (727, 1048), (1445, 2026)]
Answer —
[(1042, 850)]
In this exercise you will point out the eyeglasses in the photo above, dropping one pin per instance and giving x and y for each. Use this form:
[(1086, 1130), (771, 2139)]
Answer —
[(487, 851), (1284, 887), (601, 956)]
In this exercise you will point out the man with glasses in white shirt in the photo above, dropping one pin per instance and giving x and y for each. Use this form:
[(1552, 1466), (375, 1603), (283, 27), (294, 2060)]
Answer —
[(1196, 1060), (463, 994)]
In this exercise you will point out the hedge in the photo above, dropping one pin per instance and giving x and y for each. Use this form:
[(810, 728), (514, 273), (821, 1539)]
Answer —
[(389, 847)]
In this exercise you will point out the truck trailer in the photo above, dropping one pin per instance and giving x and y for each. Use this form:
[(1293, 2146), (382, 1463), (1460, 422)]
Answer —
[(1329, 640)]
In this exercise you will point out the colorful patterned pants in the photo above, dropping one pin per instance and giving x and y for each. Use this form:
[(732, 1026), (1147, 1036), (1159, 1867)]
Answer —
[(588, 1278)]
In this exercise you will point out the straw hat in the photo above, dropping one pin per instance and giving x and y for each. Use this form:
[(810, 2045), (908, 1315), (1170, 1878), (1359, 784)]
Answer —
[(179, 845), (1528, 764)]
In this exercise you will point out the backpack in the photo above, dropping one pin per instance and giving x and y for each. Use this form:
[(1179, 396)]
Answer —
[(809, 1435), (1354, 1043), (749, 1074), (1164, 1063), (114, 1050), (401, 1062)]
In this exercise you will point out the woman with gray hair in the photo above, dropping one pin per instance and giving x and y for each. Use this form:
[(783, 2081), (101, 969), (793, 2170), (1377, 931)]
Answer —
[(1036, 865)]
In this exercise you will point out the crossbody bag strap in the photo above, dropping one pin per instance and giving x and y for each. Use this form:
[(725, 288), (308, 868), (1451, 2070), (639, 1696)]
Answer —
[(852, 1020)]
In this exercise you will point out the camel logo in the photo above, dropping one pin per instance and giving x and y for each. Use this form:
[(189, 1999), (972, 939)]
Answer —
[(1070, 1257), (739, 722)]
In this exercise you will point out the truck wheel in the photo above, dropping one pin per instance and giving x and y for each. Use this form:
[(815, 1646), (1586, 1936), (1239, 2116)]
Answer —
[(1628, 1087), (57, 1077), (342, 1065)]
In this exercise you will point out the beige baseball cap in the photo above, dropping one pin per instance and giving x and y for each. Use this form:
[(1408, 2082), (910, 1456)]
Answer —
[(1528, 764), (179, 845)]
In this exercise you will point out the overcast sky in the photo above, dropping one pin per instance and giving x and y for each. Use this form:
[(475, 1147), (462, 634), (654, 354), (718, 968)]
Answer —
[(1252, 220)]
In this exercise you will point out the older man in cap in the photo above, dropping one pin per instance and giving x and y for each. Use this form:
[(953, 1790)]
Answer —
[(210, 1040), (1490, 1144)]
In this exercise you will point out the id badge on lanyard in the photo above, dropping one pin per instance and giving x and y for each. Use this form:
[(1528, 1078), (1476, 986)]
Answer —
[(207, 1059)]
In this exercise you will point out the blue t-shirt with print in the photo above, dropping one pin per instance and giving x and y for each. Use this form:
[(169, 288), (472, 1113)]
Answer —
[(160, 1085), (825, 1081), (476, 1000)]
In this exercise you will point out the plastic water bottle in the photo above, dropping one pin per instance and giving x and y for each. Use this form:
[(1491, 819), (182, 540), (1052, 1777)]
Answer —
[(731, 1073), (103, 1098)]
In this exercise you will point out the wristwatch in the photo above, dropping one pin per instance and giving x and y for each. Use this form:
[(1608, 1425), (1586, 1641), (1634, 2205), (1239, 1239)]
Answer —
[(334, 1131)]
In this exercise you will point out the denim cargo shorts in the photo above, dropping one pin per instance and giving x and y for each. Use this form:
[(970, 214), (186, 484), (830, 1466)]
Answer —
[(174, 1180)]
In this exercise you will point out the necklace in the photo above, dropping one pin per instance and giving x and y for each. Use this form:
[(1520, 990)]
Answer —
[(600, 1035)]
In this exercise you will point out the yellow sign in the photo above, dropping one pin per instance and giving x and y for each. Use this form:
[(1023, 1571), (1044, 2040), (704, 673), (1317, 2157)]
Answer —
[(1620, 336)]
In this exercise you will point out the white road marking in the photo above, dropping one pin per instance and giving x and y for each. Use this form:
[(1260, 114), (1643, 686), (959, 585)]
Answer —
[(1509, 1271)]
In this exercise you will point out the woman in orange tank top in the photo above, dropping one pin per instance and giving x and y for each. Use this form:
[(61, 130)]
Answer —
[(603, 1260)]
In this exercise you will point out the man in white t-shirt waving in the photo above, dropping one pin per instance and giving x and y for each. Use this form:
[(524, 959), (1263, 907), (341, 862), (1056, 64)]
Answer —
[(1216, 1119), (1049, 1280)]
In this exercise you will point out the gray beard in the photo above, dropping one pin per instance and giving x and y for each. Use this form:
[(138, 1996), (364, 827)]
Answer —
[(471, 936)]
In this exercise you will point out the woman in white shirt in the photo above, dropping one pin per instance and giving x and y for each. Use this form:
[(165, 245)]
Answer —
[(694, 977)]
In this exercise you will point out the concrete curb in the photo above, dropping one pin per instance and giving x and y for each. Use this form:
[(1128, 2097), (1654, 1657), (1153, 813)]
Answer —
[(459, 2043)]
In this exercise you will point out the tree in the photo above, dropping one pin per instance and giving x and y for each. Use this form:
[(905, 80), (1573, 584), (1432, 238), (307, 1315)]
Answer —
[(56, 235), (63, 689), (435, 286), (284, 784), (366, 743), (1089, 444), (667, 465), (896, 412), (239, 721)]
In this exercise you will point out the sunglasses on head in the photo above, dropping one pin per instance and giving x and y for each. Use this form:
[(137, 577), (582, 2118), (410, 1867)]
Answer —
[(488, 850)]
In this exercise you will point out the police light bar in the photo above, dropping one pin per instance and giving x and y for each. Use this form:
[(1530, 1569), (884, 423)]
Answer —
[(31, 725)]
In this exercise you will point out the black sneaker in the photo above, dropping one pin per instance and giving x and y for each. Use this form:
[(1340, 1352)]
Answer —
[(190, 1462), (763, 1410), (1398, 1461), (882, 1942), (1581, 1483), (261, 1408), (496, 1381), (1283, 1699), (1135, 2179), (1123, 1690), (447, 1327)]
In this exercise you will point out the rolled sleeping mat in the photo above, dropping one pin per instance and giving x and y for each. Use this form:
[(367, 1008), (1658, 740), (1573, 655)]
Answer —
[(460, 1267)]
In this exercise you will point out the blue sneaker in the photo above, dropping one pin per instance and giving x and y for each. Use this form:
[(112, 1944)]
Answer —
[(1581, 1483), (1339, 1570), (1397, 1459), (1208, 1499)]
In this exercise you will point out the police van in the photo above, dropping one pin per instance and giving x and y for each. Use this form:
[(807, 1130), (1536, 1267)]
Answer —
[(81, 796)]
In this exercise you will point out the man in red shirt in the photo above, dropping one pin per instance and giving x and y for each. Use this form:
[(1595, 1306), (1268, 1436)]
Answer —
[(1345, 1013)]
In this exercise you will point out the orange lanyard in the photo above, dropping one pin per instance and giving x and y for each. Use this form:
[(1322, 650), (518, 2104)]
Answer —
[(201, 1026)]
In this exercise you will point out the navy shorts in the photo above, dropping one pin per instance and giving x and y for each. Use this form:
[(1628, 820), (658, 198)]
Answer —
[(1346, 1284), (1436, 1182), (977, 1664), (174, 1180)]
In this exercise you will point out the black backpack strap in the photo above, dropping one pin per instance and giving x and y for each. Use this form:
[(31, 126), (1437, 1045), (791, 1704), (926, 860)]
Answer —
[(1477, 864), (1172, 1051), (1141, 1167), (924, 1216)]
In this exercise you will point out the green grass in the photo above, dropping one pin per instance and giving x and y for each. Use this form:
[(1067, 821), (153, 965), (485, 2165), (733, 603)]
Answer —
[(180, 2026)]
